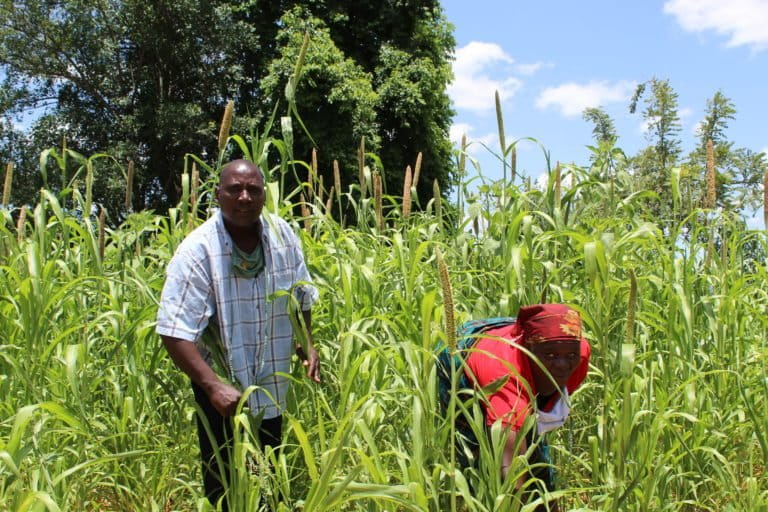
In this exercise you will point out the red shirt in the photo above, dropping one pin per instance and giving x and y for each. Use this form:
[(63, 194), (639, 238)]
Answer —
[(492, 360)]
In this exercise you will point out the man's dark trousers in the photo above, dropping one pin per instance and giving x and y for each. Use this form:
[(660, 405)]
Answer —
[(270, 434)]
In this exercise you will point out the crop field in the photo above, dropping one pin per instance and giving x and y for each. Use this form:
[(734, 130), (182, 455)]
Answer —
[(673, 414)]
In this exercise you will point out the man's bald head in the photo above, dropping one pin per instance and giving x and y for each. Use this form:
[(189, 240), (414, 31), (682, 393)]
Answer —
[(240, 166)]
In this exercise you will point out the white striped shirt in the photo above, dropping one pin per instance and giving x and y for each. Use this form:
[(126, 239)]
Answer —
[(201, 291)]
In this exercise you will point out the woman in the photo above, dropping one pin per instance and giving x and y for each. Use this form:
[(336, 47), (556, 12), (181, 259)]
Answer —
[(533, 365)]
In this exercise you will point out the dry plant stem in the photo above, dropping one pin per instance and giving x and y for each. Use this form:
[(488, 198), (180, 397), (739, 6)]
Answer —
[(513, 163), (102, 232), (765, 199), (226, 125), (361, 167), (129, 186), (8, 183), (329, 201), (417, 170), (21, 225), (88, 187), (336, 176), (445, 284), (711, 198), (377, 200), (438, 199), (450, 340), (194, 187), (631, 304), (407, 192), (305, 213), (312, 174), (723, 249), (64, 157), (463, 155), (337, 186), (500, 122)]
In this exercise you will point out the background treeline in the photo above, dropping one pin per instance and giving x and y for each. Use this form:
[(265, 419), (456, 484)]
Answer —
[(148, 81), (738, 177)]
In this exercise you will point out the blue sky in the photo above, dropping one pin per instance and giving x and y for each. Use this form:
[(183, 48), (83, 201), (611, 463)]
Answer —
[(550, 60)]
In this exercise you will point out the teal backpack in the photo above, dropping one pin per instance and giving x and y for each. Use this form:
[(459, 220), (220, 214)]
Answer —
[(466, 337)]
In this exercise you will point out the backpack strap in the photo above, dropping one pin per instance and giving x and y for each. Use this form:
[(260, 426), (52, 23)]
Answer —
[(467, 333)]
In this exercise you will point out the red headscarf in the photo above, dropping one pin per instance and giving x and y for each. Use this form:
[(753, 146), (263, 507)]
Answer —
[(549, 322)]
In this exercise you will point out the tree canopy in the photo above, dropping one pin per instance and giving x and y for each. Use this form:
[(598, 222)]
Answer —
[(148, 81)]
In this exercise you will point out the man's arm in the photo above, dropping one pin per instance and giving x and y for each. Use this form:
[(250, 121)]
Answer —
[(184, 354)]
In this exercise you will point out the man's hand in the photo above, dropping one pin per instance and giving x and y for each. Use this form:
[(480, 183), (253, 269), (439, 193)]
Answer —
[(310, 361), (223, 397)]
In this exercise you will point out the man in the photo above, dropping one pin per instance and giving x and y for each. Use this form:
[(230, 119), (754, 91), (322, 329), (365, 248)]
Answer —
[(234, 276), (534, 365)]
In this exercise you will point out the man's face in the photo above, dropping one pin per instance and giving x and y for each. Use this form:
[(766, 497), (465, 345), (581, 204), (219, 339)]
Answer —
[(560, 358), (240, 194)]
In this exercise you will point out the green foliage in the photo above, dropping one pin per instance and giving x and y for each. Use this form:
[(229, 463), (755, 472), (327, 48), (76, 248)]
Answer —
[(671, 416), (662, 128), (333, 92), (604, 129)]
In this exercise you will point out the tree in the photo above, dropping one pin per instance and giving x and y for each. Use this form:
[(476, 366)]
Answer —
[(739, 170), (335, 97), (662, 126), (403, 49), (652, 166), (603, 129)]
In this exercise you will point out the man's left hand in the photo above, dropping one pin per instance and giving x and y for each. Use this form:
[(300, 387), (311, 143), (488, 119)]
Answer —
[(311, 361)]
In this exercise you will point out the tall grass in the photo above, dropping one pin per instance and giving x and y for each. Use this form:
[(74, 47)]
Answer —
[(672, 416)]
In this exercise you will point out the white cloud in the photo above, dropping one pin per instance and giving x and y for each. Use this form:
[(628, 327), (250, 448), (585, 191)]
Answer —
[(473, 88), (744, 22), (697, 128), (457, 131), (474, 142), (567, 178), (530, 69), (478, 144), (683, 114), (573, 98), (645, 126)]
